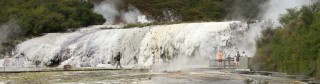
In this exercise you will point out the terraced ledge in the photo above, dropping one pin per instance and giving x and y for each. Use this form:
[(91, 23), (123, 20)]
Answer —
[(23, 70)]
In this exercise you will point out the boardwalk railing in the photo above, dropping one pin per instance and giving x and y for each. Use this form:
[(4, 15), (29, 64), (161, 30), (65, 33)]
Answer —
[(229, 63), (226, 63)]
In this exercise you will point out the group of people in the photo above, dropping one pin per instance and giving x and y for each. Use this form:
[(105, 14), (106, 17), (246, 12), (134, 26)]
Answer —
[(119, 56), (162, 56), (236, 58)]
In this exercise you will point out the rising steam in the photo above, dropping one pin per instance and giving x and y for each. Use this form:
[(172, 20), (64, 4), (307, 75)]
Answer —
[(112, 12), (273, 9), (8, 30)]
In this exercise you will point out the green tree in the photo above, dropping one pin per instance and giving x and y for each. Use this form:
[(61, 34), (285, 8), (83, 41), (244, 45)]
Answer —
[(293, 48), (36, 17)]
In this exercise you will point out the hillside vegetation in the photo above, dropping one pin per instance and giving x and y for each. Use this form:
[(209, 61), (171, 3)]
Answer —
[(43, 16), (35, 17), (295, 47), (198, 10)]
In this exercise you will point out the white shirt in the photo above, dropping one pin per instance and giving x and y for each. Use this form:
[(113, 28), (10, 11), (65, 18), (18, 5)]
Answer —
[(244, 55), (153, 59)]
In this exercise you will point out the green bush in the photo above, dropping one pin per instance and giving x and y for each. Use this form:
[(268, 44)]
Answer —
[(45, 16), (293, 48), (36, 17)]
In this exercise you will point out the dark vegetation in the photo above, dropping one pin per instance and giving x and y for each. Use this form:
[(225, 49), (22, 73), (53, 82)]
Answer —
[(244, 10), (295, 47), (36, 17), (44, 16), (198, 10), (185, 10)]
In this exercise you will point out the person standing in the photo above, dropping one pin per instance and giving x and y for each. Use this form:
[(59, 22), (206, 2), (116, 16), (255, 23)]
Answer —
[(118, 58), (229, 59), (243, 54), (6, 61), (152, 59), (237, 59), (163, 57), (219, 56), (135, 59)]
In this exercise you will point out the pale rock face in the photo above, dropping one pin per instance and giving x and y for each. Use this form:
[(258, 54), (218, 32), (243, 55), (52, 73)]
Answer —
[(185, 43)]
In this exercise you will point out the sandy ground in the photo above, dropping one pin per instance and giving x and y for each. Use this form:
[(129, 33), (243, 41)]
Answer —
[(139, 77)]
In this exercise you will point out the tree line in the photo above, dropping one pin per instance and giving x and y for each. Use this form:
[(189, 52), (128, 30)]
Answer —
[(199, 10), (293, 48), (36, 17)]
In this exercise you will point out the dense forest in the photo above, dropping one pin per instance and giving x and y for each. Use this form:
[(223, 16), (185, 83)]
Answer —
[(199, 10), (43, 16), (35, 17), (293, 48)]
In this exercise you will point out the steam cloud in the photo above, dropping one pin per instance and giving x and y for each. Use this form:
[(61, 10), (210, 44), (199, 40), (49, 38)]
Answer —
[(8, 30), (111, 11), (273, 9)]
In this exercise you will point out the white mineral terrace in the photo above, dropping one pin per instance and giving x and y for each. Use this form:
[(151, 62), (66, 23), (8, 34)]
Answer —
[(185, 43)]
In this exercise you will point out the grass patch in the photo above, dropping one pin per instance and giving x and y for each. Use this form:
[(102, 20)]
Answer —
[(26, 77)]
